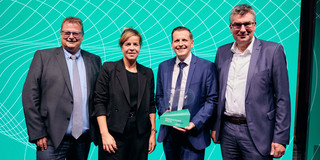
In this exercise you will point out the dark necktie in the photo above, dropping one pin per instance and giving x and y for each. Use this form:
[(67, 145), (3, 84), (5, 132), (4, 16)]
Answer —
[(77, 101), (176, 94)]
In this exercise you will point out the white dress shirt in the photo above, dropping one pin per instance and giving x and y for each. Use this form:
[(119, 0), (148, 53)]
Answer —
[(237, 81), (175, 73)]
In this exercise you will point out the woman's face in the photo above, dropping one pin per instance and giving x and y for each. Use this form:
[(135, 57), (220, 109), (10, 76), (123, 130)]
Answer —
[(131, 48)]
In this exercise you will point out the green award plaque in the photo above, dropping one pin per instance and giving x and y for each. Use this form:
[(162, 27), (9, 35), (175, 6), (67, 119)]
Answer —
[(179, 118)]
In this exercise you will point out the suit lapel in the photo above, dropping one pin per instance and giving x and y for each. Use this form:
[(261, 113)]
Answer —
[(225, 71), (87, 63), (169, 72), (192, 67), (193, 64), (253, 61), (142, 80), (64, 68), (122, 77)]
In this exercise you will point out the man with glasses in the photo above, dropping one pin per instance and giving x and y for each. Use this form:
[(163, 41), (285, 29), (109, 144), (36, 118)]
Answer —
[(57, 96), (253, 113)]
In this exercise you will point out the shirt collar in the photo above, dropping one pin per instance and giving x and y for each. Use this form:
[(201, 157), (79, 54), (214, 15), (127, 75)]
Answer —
[(68, 54), (235, 49), (187, 60)]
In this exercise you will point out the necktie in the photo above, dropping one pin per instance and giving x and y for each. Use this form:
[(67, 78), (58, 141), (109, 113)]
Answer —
[(178, 86), (77, 101)]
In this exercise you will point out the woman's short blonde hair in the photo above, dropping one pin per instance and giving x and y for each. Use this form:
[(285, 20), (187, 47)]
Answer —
[(127, 33)]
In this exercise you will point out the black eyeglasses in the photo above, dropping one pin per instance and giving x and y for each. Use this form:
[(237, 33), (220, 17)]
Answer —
[(246, 25), (66, 34)]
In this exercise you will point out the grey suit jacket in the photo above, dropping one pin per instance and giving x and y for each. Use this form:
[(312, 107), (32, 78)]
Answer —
[(267, 100), (47, 94)]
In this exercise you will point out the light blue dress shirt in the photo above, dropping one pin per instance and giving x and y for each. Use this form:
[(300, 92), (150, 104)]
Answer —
[(83, 82)]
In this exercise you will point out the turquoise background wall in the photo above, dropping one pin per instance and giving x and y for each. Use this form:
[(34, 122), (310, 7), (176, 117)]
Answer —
[(27, 26)]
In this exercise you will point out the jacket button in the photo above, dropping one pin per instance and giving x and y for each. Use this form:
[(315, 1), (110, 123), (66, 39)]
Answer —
[(68, 118), (71, 102)]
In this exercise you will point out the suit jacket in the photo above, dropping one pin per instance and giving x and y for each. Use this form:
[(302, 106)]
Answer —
[(113, 96), (267, 100), (47, 94), (202, 83)]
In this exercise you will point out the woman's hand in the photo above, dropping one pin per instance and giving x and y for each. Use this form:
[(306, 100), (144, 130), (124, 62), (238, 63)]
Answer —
[(152, 142), (108, 142)]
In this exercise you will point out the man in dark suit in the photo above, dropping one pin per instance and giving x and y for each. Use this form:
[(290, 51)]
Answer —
[(193, 81), (57, 96), (253, 113)]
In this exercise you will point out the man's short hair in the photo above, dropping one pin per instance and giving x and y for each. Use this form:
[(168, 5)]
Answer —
[(127, 33), (242, 9), (181, 28), (73, 20)]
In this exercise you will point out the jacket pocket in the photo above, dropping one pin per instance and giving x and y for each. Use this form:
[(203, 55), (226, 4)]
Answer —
[(263, 77)]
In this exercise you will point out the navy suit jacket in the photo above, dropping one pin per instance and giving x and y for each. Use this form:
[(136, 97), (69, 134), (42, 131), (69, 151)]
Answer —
[(202, 83), (267, 100)]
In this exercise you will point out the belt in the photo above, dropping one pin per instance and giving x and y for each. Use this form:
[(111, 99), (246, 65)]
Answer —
[(235, 120)]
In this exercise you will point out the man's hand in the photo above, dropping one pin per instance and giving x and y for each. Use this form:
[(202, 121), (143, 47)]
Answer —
[(42, 143), (108, 142), (213, 136), (188, 128), (167, 111), (277, 150)]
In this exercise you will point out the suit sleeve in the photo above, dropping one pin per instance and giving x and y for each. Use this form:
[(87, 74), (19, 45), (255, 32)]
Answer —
[(99, 63), (282, 97), (31, 100), (214, 116), (101, 97), (211, 97)]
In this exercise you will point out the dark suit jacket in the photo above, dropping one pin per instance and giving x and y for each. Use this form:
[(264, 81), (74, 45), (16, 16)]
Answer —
[(113, 97), (47, 94), (267, 102), (202, 83)]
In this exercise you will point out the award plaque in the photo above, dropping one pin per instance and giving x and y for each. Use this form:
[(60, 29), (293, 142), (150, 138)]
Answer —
[(179, 118)]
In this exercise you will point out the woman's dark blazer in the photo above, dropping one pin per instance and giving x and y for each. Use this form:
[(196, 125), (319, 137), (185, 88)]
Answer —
[(112, 96)]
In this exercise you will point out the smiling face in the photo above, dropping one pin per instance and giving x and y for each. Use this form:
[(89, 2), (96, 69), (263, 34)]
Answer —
[(243, 36), (70, 42), (182, 44), (131, 48)]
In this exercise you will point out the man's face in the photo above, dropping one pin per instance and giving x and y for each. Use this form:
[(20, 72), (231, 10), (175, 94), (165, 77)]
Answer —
[(71, 42), (242, 28), (182, 44)]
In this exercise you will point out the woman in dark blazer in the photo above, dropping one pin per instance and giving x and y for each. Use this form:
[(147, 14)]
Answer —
[(124, 104)]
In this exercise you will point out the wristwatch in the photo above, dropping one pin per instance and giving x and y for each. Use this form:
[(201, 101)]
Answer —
[(153, 129)]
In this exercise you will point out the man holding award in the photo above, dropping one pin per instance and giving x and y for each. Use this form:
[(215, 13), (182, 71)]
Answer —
[(185, 83)]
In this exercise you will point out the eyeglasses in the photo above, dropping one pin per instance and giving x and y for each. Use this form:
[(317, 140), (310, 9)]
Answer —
[(66, 34), (246, 25)]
